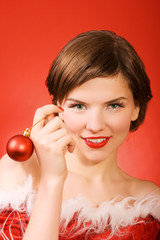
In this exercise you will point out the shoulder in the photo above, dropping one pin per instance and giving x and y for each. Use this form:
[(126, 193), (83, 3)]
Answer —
[(137, 187), (13, 173), (16, 185), (10, 171), (144, 187)]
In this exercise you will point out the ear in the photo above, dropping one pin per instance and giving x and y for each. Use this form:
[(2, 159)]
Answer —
[(135, 113)]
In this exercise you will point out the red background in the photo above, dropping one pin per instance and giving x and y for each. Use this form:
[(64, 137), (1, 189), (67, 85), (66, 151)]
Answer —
[(33, 32)]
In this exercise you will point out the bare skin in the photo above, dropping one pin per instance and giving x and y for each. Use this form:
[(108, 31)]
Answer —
[(13, 173), (65, 165)]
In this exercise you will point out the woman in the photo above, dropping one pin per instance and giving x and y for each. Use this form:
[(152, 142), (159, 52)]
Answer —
[(100, 92)]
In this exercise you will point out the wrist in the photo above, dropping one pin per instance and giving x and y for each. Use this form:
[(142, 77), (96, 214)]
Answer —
[(56, 182)]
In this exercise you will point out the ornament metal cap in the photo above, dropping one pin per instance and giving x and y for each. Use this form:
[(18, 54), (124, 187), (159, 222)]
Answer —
[(27, 132)]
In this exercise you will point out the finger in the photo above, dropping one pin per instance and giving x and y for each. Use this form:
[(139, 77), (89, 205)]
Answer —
[(53, 137), (68, 142), (48, 118), (44, 112), (53, 125)]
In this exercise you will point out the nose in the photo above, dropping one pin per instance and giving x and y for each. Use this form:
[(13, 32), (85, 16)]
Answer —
[(95, 122)]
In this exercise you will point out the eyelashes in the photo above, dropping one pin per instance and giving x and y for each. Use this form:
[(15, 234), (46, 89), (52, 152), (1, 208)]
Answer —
[(78, 106), (113, 106), (116, 105)]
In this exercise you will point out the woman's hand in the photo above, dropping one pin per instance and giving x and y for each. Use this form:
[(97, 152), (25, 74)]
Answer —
[(51, 141)]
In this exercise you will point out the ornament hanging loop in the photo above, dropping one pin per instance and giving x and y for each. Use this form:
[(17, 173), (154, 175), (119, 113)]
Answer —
[(27, 132)]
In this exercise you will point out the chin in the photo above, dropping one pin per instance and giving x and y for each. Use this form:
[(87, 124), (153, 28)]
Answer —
[(95, 157)]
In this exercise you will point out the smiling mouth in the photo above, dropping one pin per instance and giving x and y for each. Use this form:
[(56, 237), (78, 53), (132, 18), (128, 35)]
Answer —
[(94, 142)]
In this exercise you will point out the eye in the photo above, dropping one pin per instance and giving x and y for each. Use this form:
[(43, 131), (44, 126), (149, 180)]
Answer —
[(115, 105), (77, 106)]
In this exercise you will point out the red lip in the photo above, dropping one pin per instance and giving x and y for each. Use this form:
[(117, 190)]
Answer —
[(96, 145)]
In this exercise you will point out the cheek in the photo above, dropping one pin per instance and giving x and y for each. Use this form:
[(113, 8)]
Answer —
[(120, 124), (72, 123)]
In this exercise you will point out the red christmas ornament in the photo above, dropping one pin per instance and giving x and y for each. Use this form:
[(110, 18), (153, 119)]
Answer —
[(20, 147)]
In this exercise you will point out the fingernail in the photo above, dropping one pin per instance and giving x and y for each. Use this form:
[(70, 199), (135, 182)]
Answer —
[(60, 108)]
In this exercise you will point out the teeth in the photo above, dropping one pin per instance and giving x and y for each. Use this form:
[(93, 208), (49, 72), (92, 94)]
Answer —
[(98, 140)]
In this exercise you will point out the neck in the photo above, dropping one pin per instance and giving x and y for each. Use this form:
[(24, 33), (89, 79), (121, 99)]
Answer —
[(93, 171)]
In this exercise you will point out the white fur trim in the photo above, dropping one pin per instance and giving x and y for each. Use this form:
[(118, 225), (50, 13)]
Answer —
[(115, 213), (21, 198)]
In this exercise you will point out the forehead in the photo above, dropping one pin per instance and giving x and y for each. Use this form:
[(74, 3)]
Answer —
[(102, 87)]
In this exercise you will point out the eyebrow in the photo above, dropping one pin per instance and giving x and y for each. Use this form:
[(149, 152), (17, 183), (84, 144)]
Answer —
[(108, 102)]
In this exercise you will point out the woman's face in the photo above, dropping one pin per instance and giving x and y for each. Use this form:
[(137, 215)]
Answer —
[(98, 114)]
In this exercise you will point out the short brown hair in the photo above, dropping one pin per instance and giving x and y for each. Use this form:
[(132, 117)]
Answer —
[(99, 54)]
